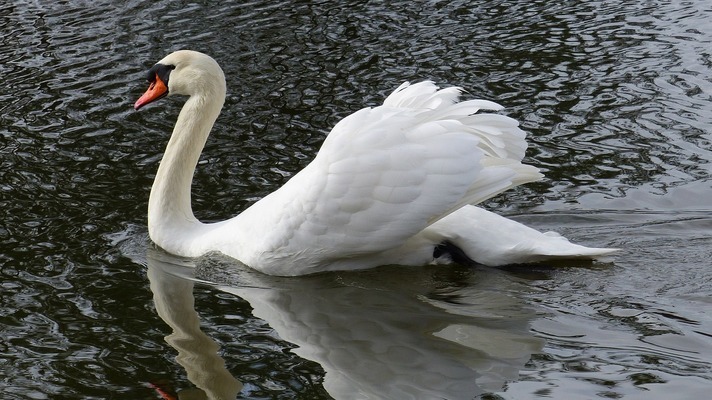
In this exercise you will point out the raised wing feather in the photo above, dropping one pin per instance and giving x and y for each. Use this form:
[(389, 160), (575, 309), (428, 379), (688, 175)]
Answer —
[(383, 174)]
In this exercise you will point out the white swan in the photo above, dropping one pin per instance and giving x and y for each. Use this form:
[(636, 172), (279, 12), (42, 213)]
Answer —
[(390, 185)]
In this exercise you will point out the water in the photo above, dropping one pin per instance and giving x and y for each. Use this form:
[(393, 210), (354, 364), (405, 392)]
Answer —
[(616, 96)]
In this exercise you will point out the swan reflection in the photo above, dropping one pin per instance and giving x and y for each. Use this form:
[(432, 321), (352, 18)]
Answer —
[(396, 333), (197, 353)]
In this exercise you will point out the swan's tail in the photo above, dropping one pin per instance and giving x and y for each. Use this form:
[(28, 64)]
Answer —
[(493, 240)]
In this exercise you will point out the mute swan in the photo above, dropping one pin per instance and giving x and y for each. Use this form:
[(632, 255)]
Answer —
[(391, 184)]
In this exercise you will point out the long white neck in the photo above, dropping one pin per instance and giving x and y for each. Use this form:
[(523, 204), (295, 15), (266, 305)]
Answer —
[(170, 216)]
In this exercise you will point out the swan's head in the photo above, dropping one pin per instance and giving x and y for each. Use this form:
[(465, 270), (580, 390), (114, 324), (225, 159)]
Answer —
[(183, 72)]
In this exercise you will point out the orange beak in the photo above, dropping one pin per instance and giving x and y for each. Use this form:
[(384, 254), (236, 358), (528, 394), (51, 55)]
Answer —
[(157, 90)]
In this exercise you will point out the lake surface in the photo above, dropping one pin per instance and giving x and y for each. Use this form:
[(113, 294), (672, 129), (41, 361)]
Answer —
[(616, 98)]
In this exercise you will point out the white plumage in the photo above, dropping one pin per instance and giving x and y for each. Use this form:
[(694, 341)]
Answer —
[(389, 185)]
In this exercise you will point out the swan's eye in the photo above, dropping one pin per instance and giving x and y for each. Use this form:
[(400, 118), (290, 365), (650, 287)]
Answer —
[(162, 71)]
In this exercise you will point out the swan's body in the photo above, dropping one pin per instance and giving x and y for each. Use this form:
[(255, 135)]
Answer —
[(390, 185)]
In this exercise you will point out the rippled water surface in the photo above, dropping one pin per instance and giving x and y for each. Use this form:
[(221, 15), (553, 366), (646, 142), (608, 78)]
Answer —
[(616, 97)]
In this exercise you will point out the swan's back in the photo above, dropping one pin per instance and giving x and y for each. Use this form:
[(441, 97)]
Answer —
[(382, 175)]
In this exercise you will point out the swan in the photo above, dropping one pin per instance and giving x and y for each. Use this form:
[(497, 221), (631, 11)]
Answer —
[(392, 184)]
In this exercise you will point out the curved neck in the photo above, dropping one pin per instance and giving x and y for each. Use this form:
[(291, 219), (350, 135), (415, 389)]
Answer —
[(169, 209)]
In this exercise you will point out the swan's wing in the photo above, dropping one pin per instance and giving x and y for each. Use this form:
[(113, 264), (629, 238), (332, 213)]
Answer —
[(382, 175)]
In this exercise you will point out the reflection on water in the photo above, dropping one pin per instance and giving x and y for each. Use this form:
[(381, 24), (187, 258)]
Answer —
[(374, 336), (197, 353), (616, 96)]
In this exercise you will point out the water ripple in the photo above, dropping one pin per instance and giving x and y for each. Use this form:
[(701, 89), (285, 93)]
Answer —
[(615, 95)]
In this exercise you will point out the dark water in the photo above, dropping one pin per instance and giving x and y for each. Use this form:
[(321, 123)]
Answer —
[(616, 96)]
